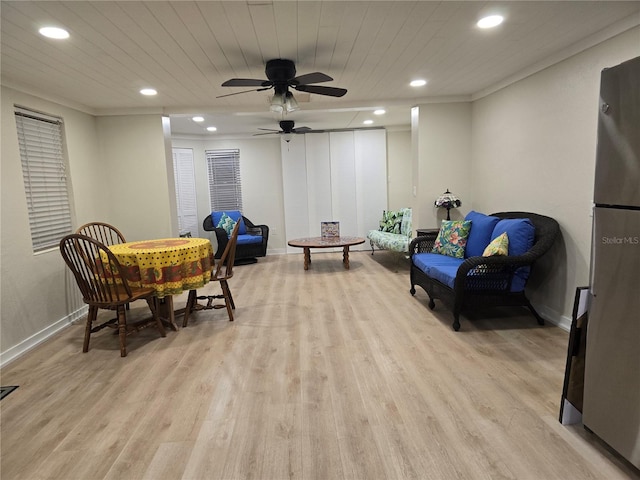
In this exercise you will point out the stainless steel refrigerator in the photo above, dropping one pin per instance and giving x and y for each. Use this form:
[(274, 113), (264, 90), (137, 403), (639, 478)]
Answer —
[(611, 407)]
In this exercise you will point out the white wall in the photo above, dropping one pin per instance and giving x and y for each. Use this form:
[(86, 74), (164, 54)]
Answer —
[(136, 183), (36, 293), (444, 160), (399, 186), (534, 150)]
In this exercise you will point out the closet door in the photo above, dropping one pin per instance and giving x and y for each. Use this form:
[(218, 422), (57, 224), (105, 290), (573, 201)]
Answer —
[(185, 181), (294, 181), (318, 181), (337, 176), (343, 182), (371, 179)]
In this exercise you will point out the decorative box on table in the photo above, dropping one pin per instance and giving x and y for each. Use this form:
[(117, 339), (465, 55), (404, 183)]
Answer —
[(330, 229)]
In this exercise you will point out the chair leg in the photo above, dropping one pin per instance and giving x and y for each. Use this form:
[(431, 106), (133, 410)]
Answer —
[(227, 299), (535, 313), (224, 282), (191, 300), (93, 313), (456, 322), (122, 330)]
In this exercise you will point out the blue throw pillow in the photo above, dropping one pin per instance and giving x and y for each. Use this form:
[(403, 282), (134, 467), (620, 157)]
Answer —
[(480, 234), (235, 215), (520, 231)]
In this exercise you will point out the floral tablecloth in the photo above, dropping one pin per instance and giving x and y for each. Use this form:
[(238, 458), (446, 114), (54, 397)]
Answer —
[(168, 265)]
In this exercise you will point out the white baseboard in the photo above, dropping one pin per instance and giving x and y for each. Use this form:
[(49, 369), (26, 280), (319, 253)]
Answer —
[(550, 315), (37, 338)]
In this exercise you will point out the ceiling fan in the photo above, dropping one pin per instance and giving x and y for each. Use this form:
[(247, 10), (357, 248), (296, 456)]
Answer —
[(286, 130), (281, 75)]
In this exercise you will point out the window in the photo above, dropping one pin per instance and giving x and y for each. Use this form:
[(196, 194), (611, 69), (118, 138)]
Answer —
[(45, 178), (225, 189)]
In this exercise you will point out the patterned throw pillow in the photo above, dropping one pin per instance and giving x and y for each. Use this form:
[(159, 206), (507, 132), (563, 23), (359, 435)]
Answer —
[(227, 223), (498, 246), (452, 238), (391, 221)]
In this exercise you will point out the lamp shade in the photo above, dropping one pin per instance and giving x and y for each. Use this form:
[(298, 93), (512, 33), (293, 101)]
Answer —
[(448, 200), (278, 102), (291, 105)]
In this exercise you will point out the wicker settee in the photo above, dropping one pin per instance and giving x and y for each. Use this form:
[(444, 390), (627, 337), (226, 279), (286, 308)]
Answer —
[(479, 280), (252, 239)]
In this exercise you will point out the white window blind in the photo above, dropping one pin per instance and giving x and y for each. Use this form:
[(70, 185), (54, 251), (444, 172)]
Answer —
[(225, 187), (45, 178)]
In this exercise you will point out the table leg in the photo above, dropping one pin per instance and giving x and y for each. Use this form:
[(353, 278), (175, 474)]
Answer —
[(165, 310), (345, 257), (307, 257)]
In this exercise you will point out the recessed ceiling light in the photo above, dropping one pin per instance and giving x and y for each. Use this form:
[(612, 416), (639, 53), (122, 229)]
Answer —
[(380, 111), (148, 91), (418, 83), (212, 129), (368, 122), (490, 21), (54, 32), (198, 119)]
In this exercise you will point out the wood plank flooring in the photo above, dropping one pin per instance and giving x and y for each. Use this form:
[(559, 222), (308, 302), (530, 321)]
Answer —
[(325, 374)]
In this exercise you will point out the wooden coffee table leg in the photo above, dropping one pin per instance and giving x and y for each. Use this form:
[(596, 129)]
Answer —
[(307, 257), (345, 257)]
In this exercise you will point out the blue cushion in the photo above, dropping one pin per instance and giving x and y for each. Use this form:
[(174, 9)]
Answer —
[(521, 233), (445, 274), (234, 214), (427, 261), (249, 239), (481, 233)]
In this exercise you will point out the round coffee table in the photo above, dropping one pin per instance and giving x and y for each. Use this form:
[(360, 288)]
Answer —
[(325, 242)]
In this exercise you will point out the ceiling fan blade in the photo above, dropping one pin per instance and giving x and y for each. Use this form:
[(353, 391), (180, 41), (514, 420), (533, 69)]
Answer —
[(268, 130), (330, 91), (244, 91), (275, 132), (301, 130), (246, 82), (315, 77)]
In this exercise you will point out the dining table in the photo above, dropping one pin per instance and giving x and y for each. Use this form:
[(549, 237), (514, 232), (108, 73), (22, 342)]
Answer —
[(168, 265)]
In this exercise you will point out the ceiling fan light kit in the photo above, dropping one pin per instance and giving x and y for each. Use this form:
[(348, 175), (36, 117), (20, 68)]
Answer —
[(284, 103)]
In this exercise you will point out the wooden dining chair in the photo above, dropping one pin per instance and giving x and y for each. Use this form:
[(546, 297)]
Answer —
[(102, 232), (222, 272), (103, 286)]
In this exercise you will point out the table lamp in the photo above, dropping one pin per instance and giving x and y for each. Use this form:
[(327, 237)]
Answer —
[(448, 200)]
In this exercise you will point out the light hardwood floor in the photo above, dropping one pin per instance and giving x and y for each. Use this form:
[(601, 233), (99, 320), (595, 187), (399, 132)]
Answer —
[(325, 374)]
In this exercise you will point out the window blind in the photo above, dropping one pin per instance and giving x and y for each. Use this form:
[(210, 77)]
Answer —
[(225, 186), (45, 178)]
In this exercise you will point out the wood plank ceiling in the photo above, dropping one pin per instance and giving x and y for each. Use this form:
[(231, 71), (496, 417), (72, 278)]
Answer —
[(186, 49)]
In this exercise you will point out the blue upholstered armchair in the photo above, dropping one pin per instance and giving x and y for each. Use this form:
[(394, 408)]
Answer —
[(252, 239)]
